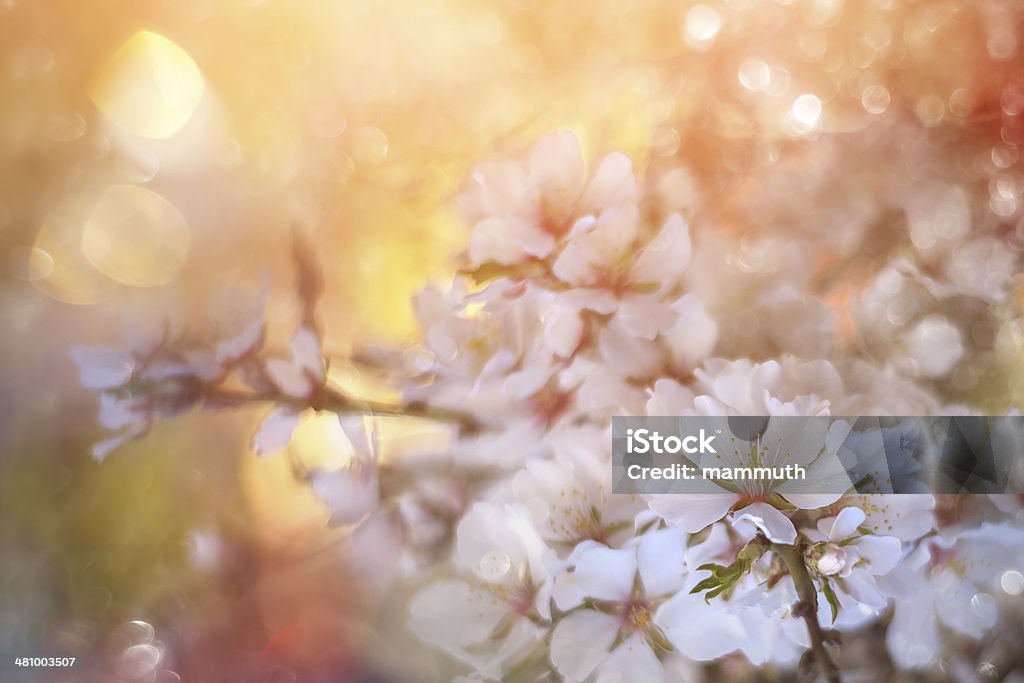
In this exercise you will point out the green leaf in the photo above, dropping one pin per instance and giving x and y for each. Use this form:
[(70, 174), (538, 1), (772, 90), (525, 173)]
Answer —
[(830, 595), (722, 577), (706, 584), (715, 569)]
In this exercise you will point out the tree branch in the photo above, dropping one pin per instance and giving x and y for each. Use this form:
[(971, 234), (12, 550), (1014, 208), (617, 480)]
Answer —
[(807, 608), (335, 401)]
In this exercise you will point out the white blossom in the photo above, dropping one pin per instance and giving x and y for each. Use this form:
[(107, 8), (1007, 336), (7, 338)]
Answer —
[(947, 583), (568, 496), (496, 611), (301, 377), (615, 635), (850, 559), (758, 502)]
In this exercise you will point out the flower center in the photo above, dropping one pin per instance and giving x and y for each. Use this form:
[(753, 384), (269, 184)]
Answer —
[(830, 559), (637, 615)]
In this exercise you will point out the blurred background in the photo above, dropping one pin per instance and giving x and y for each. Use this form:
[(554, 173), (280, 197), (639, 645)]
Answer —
[(156, 155)]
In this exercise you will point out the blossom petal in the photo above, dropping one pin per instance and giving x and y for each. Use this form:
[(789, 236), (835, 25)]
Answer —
[(717, 546), (845, 524), (117, 412), (958, 608), (661, 560), (248, 339), (306, 351), (807, 501), (503, 188), (666, 257), (611, 237), (612, 185), (454, 615), (775, 525), (913, 635), (102, 449), (669, 397), (275, 431), (698, 630), (497, 543), (693, 511), (693, 336), (291, 379), (594, 299), (563, 329), (826, 473), (794, 441), (102, 368), (606, 574), (525, 383), (362, 433), (556, 169), (507, 241), (572, 266), (882, 553), (631, 356), (907, 517), (645, 316), (632, 660), (350, 494), (581, 641)]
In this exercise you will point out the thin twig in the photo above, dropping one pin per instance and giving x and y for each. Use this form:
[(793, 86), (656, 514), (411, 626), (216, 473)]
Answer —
[(333, 400), (807, 608)]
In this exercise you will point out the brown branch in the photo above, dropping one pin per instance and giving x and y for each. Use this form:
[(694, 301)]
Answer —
[(333, 400), (807, 608)]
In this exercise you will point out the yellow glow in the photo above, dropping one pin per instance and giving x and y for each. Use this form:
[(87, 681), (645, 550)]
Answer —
[(473, 309), (135, 236), (390, 272), (405, 438), (284, 507), (69, 276), (30, 264), (149, 86), (362, 384), (320, 442), (369, 145), (281, 506)]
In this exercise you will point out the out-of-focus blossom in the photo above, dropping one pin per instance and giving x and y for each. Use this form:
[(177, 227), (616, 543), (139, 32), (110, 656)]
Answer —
[(495, 614), (568, 496), (164, 376), (523, 208), (947, 582), (351, 492), (300, 378)]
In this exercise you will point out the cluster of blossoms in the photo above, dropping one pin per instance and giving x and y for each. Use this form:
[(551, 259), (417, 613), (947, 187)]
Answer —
[(592, 294)]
